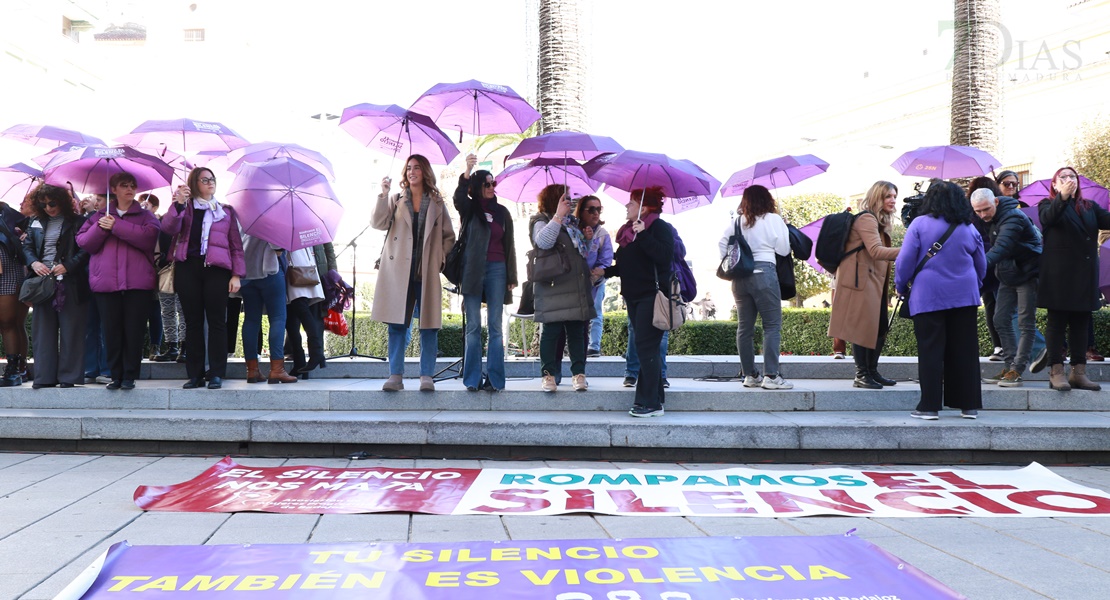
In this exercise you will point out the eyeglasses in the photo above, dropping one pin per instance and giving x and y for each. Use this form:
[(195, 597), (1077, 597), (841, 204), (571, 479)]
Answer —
[(1068, 176), (595, 210), (208, 180), (489, 184), (1008, 184)]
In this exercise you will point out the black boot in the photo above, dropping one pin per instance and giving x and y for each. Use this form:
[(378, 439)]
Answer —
[(863, 371), (170, 355), (12, 376), (873, 367)]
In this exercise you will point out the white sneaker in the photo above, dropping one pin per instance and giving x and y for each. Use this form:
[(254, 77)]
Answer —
[(579, 382), (996, 355), (776, 383), (548, 384), (752, 381)]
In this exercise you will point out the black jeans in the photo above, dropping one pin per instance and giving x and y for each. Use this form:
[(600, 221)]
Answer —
[(203, 293), (299, 313), (649, 385), (1076, 324), (123, 321)]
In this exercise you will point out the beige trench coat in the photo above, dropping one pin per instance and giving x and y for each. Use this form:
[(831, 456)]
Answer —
[(391, 289), (860, 282)]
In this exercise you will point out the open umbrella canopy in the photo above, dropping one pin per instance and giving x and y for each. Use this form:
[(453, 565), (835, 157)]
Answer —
[(184, 136), (264, 151), (16, 180), (47, 136), (570, 145), (523, 182), (88, 168), (675, 205), (945, 162), (630, 169), (476, 108), (392, 130), (285, 202), (775, 173), (1039, 190)]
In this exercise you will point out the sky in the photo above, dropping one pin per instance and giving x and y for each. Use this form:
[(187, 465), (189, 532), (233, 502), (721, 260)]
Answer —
[(724, 84)]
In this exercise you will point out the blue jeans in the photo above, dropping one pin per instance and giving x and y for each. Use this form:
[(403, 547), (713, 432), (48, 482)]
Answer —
[(597, 322), (1018, 303), (268, 293), (493, 287), (759, 295), (96, 354), (399, 336), (632, 357)]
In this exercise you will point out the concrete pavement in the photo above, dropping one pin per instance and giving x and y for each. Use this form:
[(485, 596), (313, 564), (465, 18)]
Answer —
[(59, 511)]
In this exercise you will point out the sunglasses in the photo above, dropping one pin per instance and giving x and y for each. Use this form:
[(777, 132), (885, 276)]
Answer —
[(489, 184), (1009, 184), (50, 204), (595, 210), (207, 180)]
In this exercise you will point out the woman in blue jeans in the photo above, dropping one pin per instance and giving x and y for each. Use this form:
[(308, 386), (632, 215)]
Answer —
[(489, 274), (263, 287), (758, 294)]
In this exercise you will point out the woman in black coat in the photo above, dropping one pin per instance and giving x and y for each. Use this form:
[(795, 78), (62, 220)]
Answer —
[(50, 248), (13, 313), (1068, 285), (488, 274)]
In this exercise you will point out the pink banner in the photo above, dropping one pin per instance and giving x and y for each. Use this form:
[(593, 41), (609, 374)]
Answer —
[(1032, 491), (766, 568)]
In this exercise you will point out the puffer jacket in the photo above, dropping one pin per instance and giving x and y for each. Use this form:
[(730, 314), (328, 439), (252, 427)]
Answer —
[(123, 258), (567, 298), (225, 246), (1016, 244)]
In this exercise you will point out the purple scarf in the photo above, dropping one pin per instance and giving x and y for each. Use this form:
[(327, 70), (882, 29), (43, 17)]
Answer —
[(625, 235)]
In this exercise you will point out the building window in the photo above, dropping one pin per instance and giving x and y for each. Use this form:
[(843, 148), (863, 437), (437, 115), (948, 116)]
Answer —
[(194, 35)]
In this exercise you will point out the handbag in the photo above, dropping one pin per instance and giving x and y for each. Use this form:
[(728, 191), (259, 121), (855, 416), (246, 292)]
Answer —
[(165, 279), (302, 276), (37, 289), (545, 266), (669, 312), (904, 307), (453, 264), (784, 266), (739, 262)]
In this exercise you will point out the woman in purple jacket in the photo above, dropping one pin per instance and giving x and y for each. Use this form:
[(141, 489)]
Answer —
[(945, 300), (120, 241), (208, 255)]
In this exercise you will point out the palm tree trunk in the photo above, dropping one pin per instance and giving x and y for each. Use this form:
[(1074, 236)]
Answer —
[(561, 81), (976, 85)]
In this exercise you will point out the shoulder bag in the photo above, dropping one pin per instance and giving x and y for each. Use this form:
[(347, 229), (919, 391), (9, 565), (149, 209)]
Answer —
[(304, 275), (903, 309), (669, 312), (453, 264), (37, 289), (739, 262)]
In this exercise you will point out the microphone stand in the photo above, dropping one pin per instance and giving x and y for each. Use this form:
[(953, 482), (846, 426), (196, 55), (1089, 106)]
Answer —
[(353, 245)]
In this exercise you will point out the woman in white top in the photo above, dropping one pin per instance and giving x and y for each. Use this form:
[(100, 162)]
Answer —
[(758, 294)]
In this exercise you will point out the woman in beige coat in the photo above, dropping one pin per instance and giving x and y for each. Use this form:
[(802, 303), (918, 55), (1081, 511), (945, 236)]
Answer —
[(859, 314), (420, 236)]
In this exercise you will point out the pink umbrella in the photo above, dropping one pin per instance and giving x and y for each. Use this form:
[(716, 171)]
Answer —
[(811, 231), (675, 204), (285, 202), (1104, 268), (183, 135), (88, 168), (945, 162), (392, 130), (523, 182), (47, 136), (631, 169), (570, 145), (16, 180), (477, 108), (1037, 191), (264, 151), (775, 173)]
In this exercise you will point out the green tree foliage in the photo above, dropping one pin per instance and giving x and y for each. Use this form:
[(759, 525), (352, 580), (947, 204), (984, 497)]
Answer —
[(1090, 151), (801, 210)]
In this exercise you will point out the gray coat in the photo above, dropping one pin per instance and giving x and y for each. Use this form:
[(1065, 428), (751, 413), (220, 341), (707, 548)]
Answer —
[(568, 298)]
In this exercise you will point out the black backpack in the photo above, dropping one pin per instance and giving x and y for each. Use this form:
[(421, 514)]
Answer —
[(832, 239)]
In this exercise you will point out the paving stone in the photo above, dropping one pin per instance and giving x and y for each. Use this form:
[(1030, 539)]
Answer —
[(168, 425), (699, 430), (518, 428), (885, 430), (240, 395), (146, 395), (335, 529), (555, 527), (648, 527), (262, 528), (379, 427), (40, 424), (456, 528)]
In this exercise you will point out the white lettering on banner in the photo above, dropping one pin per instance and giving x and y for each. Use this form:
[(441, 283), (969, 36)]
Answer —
[(210, 127), (108, 152)]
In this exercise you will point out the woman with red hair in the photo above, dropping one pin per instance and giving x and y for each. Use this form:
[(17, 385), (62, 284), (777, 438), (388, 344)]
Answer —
[(1068, 285), (643, 262)]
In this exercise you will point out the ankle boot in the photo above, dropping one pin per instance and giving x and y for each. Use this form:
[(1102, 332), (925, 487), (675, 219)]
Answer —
[(12, 376), (863, 371), (253, 376), (1056, 379), (277, 371), (169, 355), (1078, 379)]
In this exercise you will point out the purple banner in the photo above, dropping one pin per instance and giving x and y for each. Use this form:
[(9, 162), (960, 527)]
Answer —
[(767, 568)]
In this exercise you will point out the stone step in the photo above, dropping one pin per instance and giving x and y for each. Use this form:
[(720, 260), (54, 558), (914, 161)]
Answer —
[(678, 367), (606, 395)]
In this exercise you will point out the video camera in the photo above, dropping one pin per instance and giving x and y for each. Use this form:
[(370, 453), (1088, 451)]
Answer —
[(911, 207)]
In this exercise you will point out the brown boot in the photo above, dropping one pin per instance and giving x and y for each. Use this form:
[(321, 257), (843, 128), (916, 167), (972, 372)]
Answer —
[(253, 376), (1078, 379), (1056, 379), (277, 371)]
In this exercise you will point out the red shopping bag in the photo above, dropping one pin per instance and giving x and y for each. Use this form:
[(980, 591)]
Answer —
[(336, 323)]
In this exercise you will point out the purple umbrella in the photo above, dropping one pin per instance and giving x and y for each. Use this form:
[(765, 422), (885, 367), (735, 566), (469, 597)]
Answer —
[(264, 151), (523, 182), (16, 180), (88, 168), (47, 136), (565, 144), (477, 108), (44, 159), (392, 130), (775, 173), (1104, 268), (1039, 190), (630, 169), (812, 231), (285, 202), (945, 162), (183, 135), (673, 205)]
